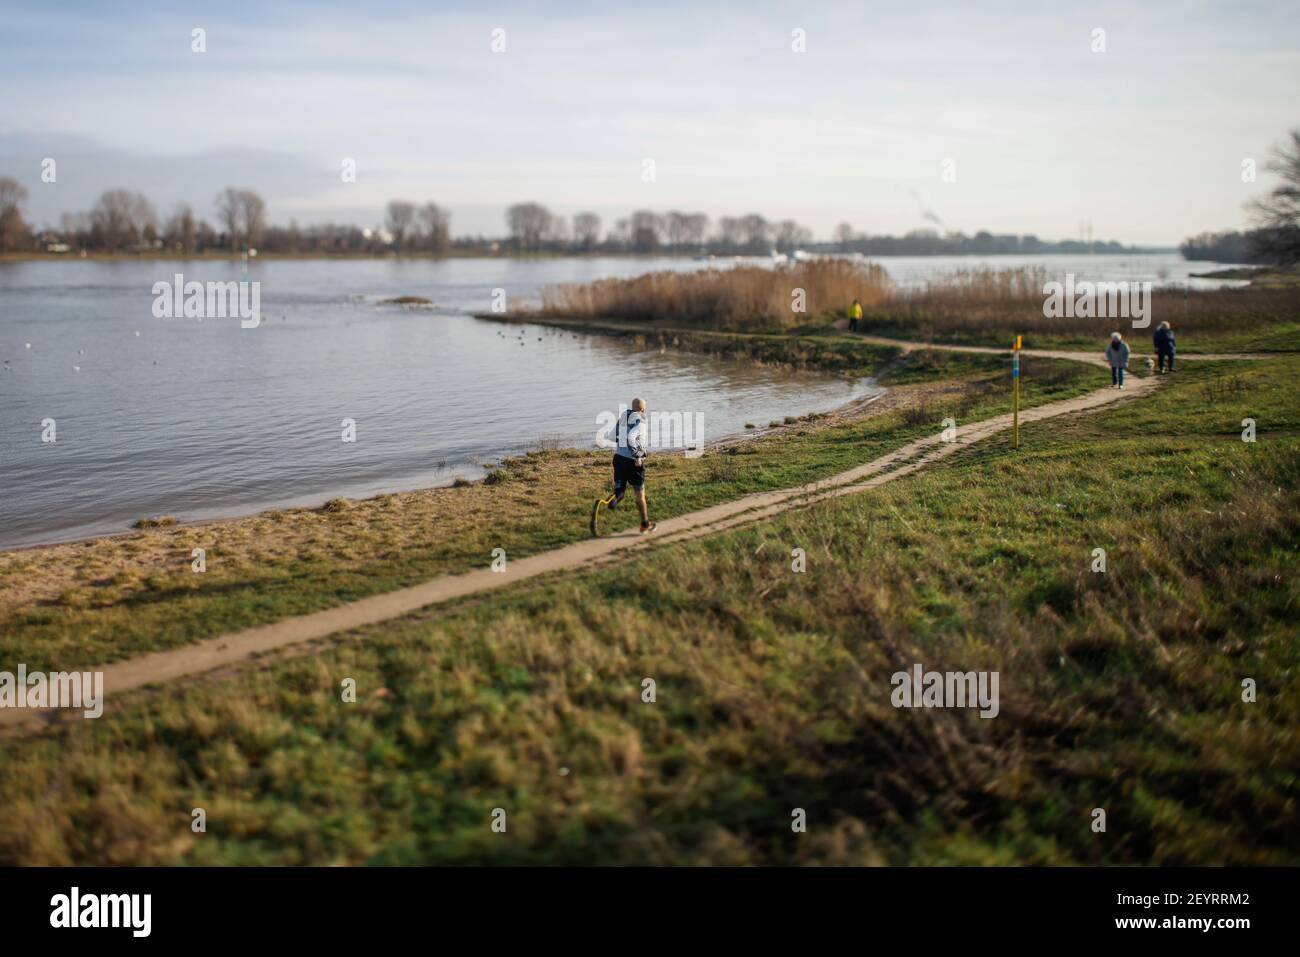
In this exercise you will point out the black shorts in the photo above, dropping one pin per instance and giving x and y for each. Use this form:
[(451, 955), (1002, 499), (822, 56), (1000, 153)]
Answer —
[(627, 472)]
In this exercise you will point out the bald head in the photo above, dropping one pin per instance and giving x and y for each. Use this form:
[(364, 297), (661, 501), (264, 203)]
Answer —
[(638, 405)]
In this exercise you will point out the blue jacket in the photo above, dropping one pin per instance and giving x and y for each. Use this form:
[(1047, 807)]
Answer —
[(1117, 354), (1164, 340)]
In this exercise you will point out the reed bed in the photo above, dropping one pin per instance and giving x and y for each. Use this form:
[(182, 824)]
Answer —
[(746, 297), (977, 306)]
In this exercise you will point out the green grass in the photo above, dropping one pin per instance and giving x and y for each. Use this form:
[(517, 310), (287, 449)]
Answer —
[(1118, 690), (1281, 338), (77, 605), (1259, 334)]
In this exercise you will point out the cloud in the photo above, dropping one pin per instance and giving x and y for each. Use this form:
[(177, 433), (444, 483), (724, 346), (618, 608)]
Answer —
[(1044, 132)]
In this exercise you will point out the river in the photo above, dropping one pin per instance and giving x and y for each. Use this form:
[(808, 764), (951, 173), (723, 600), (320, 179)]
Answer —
[(109, 414)]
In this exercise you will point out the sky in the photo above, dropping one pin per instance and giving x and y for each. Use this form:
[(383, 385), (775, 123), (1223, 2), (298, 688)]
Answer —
[(1036, 131)]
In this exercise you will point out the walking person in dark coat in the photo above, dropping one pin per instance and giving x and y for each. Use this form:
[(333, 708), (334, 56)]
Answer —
[(1164, 342)]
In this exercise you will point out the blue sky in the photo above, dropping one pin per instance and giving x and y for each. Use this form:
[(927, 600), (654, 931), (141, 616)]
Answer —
[(1145, 139)]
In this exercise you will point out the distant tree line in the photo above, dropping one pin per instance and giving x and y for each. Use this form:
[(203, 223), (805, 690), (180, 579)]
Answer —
[(531, 227), (929, 242), (1276, 240), (1229, 246), (1269, 246), (125, 221), (122, 220)]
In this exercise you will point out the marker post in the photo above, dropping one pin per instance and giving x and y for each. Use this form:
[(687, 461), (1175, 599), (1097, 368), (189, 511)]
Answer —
[(1015, 393)]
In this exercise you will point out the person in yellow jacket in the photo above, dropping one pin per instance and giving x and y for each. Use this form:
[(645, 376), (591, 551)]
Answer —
[(855, 315)]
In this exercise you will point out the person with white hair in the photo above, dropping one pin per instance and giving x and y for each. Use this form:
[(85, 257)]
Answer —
[(1117, 356), (629, 435)]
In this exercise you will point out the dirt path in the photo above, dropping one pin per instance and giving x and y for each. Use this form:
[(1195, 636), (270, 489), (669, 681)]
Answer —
[(228, 650), (1096, 358)]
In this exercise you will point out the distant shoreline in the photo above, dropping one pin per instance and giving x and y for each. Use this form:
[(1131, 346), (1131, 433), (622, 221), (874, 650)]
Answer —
[(217, 256)]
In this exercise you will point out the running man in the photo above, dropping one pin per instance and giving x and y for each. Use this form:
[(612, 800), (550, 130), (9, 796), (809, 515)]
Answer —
[(629, 466)]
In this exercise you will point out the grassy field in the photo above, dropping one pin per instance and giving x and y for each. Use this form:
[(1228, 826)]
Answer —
[(1265, 323), (101, 601), (1120, 690)]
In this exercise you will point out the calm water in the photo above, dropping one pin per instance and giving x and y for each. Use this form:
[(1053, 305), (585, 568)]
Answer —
[(1160, 269), (203, 419)]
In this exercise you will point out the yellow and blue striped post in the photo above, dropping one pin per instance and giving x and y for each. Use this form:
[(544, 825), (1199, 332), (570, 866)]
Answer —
[(1015, 393)]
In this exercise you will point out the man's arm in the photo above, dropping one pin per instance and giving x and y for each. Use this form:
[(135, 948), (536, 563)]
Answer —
[(636, 440)]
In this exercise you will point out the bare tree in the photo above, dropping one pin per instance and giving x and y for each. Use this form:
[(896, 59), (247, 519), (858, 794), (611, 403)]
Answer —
[(436, 223), (755, 233), (401, 216), (242, 214), (121, 218), (675, 226), (586, 230), (253, 209), (13, 230), (181, 231), (527, 223), (844, 236), (729, 231), (697, 228), (647, 230), (228, 213), (557, 229), (1277, 214), (790, 235)]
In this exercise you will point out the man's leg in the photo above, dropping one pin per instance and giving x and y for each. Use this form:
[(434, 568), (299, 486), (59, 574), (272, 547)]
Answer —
[(641, 505), (620, 484)]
